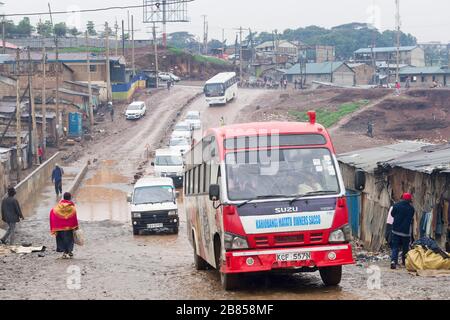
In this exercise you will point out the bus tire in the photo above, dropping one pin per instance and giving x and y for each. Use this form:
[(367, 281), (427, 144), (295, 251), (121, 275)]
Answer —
[(228, 281), (331, 276), (175, 230), (135, 231), (199, 262)]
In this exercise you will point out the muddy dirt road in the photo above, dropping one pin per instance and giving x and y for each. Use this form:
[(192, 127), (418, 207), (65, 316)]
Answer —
[(116, 265)]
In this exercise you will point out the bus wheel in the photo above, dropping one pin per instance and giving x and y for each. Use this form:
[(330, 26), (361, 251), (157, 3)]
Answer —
[(228, 281), (199, 262), (135, 231), (331, 276)]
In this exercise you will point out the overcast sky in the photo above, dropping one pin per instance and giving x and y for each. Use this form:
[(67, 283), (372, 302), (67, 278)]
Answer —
[(427, 20)]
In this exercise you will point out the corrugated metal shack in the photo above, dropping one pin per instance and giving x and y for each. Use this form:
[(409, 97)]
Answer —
[(426, 174), (377, 197)]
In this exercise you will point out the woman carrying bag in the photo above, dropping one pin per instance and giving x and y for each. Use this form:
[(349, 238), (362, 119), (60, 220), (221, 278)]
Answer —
[(64, 224)]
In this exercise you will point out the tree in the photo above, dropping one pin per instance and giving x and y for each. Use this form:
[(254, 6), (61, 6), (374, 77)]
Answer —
[(74, 31), (91, 28), (110, 32), (215, 44), (44, 29), (24, 28), (182, 40), (61, 29)]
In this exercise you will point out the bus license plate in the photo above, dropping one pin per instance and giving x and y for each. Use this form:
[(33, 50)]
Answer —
[(154, 225), (294, 256)]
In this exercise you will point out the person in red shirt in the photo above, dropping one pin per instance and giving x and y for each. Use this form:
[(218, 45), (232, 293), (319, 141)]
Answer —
[(40, 154)]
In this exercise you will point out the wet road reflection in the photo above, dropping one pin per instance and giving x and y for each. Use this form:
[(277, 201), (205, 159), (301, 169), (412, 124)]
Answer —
[(103, 196)]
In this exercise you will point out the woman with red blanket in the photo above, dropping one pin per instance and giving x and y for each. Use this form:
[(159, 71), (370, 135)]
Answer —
[(63, 221)]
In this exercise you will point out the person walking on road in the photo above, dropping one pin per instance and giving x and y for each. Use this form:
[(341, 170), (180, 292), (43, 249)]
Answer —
[(57, 174), (63, 222), (11, 215), (111, 111), (222, 121), (40, 154), (403, 214)]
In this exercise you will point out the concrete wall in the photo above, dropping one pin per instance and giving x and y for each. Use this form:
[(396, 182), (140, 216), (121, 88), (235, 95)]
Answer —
[(417, 57), (37, 180)]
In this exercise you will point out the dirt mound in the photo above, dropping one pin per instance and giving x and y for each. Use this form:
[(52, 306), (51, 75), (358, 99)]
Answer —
[(416, 114), (396, 104), (358, 94)]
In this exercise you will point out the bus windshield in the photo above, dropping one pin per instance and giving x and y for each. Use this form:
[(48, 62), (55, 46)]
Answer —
[(169, 161), (214, 90), (149, 195), (284, 172)]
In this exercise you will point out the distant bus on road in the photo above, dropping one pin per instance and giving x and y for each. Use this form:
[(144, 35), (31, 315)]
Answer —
[(221, 88), (267, 196)]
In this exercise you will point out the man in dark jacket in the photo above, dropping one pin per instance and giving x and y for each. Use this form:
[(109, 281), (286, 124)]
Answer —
[(403, 214), (57, 179), (11, 214)]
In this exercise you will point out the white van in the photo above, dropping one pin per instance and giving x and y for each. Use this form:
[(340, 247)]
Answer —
[(136, 110), (154, 206), (169, 163)]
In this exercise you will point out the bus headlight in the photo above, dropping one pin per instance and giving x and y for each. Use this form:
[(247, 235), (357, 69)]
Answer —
[(173, 213), (342, 234), (234, 242), (136, 215)]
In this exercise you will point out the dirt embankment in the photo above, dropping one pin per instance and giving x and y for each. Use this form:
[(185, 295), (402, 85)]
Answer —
[(416, 114), (278, 105), (185, 65)]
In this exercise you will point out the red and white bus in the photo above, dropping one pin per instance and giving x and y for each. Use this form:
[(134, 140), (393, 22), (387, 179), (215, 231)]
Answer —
[(267, 196)]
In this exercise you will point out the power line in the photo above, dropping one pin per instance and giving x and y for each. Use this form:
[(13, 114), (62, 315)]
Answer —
[(93, 10)]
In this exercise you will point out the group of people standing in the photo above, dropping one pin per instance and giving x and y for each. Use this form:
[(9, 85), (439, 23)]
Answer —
[(63, 217)]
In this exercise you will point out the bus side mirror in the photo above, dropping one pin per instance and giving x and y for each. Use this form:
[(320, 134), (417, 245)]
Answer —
[(214, 192), (153, 164), (129, 196), (360, 180)]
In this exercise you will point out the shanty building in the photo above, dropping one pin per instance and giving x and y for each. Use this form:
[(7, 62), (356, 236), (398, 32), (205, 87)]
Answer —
[(409, 55), (419, 168), (420, 77), (338, 73)]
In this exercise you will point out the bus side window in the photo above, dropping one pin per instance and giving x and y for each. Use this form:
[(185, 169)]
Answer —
[(207, 177), (195, 179), (201, 185), (190, 182)]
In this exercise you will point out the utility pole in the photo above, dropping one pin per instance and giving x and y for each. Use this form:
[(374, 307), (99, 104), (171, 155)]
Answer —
[(88, 59), (32, 127), (58, 120), (128, 29), (44, 97), (133, 66), (3, 35), (123, 37), (398, 27), (18, 119), (205, 35), (164, 23), (155, 44), (116, 27), (240, 55), (108, 74)]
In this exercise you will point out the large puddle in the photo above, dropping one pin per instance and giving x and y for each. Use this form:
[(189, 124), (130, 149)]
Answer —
[(103, 196)]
